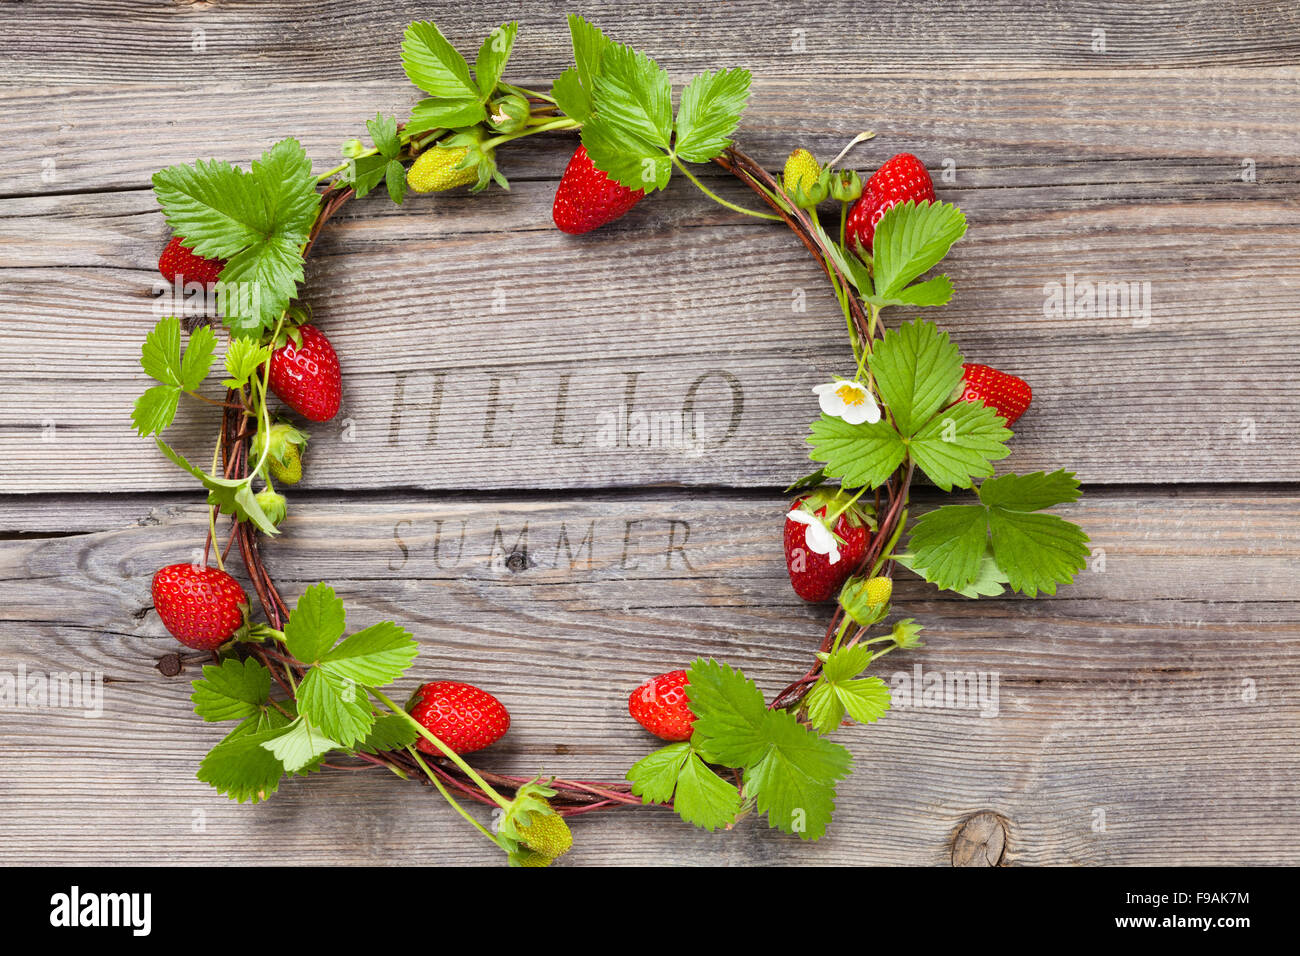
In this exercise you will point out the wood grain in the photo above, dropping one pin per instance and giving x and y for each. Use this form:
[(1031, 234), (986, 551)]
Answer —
[(1155, 690), (298, 40)]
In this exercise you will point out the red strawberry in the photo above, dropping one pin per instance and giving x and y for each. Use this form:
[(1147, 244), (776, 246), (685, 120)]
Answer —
[(460, 715), (179, 264), (1005, 394), (813, 576), (660, 706), (199, 606), (307, 379), (587, 198), (901, 178)]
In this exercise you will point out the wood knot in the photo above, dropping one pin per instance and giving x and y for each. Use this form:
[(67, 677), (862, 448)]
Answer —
[(981, 840), (517, 561)]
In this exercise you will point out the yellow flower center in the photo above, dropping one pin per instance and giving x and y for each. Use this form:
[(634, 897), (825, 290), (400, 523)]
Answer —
[(851, 395)]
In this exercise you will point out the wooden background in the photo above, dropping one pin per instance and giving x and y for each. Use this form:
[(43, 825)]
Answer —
[(1148, 714)]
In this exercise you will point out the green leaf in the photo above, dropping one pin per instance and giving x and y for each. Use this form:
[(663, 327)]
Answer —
[(430, 114), (155, 409), (336, 706), (198, 358), (298, 745), (257, 220), (837, 692), (315, 624), (395, 180), (383, 133), (631, 131), (948, 544), (709, 113), (160, 353), (366, 173), (654, 776), (912, 239), (677, 773), (703, 798), (635, 95), (959, 444), (241, 768), (1032, 492), (230, 495), (794, 781), (975, 549), (631, 161), (434, 66), (160, 357), (232, 690), (375, 656), (571, 96), (390, 732), (789, 771), (492, 57), (858, 455), (932, 292), (589, 46), (730, 714), (244, 357), (1037, 551), (917, 369)]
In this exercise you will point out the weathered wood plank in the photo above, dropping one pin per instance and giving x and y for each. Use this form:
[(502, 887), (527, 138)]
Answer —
[(529, 362), (1154, 691), (1112, 135), (296, 40)]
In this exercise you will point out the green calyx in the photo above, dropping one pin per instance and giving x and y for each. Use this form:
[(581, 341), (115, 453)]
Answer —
[(509, 113), (866, 600), (838, 501), (845, 185)]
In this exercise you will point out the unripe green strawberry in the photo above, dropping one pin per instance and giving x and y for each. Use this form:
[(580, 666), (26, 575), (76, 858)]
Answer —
[(866, 601), (285, 458), (274, 504), (548, 835), (436, 170), (530, 858), (879, 590), (801, 172)]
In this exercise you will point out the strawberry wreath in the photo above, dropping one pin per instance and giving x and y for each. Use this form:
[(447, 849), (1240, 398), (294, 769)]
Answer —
[(305, 696)]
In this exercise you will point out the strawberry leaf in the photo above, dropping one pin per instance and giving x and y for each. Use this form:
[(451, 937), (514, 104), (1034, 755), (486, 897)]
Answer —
[(257, 220), (434, 66), (1036, 551), (232, 690), (709, 112), (788, 770), (858, 455), (232, 496), (677, 773), (1032, 492), (917, 368), (298, 745), (241, 768), (375, 656), (336, 706), (959, 444), (315, 624), (911, 240), (160, 357), (947, 545), (492, 57)]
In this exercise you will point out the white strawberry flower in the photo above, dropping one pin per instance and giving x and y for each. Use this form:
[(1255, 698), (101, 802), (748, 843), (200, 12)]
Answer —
[(817, 536), (847, 400)]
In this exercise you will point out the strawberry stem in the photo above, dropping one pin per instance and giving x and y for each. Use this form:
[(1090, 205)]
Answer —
[(718, 199)]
